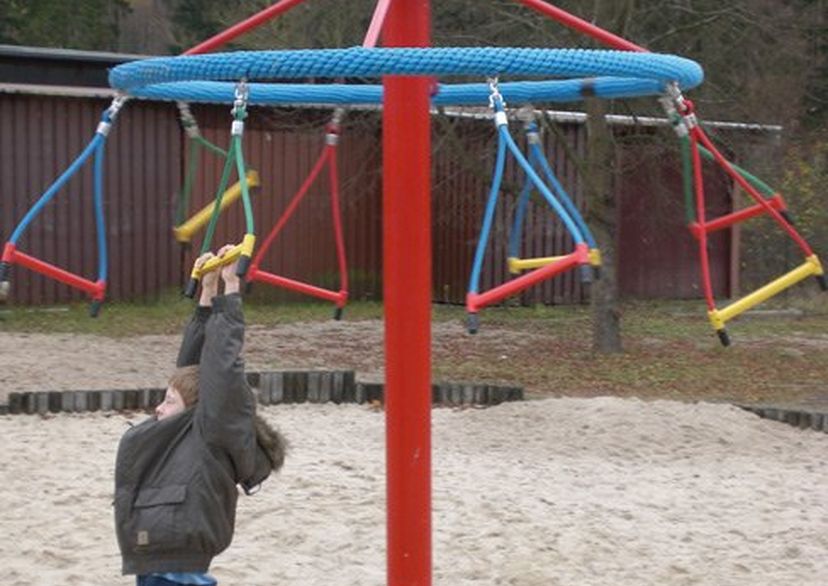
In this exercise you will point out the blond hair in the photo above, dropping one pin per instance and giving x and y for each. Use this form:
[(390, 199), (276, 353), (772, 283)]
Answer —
[(185, 381)]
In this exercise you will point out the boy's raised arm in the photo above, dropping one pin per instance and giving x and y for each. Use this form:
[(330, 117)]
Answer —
[(193, 339), (226, 406)]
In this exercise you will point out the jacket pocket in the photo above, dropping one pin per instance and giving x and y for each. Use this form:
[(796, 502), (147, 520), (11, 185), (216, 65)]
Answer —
[(155, 522)]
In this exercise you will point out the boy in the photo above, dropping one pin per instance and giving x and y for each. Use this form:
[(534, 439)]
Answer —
[(176, 473)]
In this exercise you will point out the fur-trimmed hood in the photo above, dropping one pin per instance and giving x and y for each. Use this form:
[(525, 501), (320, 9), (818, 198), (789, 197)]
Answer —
[(271, 446), (271, 441)]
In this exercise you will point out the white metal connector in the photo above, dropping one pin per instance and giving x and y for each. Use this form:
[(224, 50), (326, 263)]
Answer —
[(103, 128), (242, 96)]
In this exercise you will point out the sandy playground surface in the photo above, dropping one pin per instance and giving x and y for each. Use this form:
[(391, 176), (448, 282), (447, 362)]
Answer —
[(565, 491), (53, 362), (551, 492)]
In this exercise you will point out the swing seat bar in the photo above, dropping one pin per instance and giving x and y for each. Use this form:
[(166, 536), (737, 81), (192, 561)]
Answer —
[(518, 265), (340, 298), (11, 256), (477, 301), (185, 232), (811, 267), (776, 202)]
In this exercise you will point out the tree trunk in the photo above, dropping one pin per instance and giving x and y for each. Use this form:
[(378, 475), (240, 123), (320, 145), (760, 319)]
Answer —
[(600, 185), (606, 317)]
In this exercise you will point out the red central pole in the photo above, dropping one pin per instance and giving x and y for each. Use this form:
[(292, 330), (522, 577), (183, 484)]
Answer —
[(407, 297)]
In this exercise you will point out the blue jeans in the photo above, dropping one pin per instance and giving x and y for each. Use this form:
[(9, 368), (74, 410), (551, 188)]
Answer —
[(155, 581)]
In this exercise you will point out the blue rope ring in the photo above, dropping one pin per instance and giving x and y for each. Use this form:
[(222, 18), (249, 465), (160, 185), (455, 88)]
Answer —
[(606, 74)]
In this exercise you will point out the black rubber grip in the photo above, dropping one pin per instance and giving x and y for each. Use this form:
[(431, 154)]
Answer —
[(723, 337), (823, 283), (5, 285), (473, 323), (191, 288), (95, 308), (243, 266), (338, 313)]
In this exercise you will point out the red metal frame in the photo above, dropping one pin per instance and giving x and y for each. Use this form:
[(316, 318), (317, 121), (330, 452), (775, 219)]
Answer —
[(701, 227), (255, 273), (95, 289), (328, 156), (477, 301), (698, 182), (377, 21), (701, 137), (407, 298), (732, 218), (244, 26), (580, 25)]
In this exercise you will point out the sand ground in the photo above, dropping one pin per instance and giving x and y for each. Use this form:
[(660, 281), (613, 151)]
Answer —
[(550, 492), (559, 491)]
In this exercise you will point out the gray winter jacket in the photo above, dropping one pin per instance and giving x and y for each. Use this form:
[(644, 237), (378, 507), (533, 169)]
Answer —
[(175, 480)]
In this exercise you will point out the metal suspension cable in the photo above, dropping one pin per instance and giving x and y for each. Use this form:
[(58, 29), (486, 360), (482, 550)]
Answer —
[(474, 300), (11, 255), (694, 144), (488, 216), (563, 196), (517, 222), (327, 156), (235, 158), (750, 190), (291, 207), (100, 223), (222, 187), (570, 224), (196, 140), (97, 289), (195, 143), (700, 218)]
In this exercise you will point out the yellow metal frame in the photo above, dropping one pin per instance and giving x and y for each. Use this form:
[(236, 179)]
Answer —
[(245, 248), (811, 267), (517, 265), (184, 233)]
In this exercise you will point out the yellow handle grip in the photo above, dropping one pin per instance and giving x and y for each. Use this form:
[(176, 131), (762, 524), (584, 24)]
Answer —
[(245, 248)]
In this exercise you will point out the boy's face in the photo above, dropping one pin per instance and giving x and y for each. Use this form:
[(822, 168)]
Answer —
[(172, 404)]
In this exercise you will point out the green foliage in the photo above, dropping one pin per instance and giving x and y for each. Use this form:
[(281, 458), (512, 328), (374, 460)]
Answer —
[(196, 20), (804, 181), (768, 250), (81, 24)]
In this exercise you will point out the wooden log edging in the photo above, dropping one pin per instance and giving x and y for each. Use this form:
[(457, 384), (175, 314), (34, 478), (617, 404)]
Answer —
[(271, 388), (815, 420)]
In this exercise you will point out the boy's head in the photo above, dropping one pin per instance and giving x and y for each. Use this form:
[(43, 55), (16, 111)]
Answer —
[(182, 392)]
